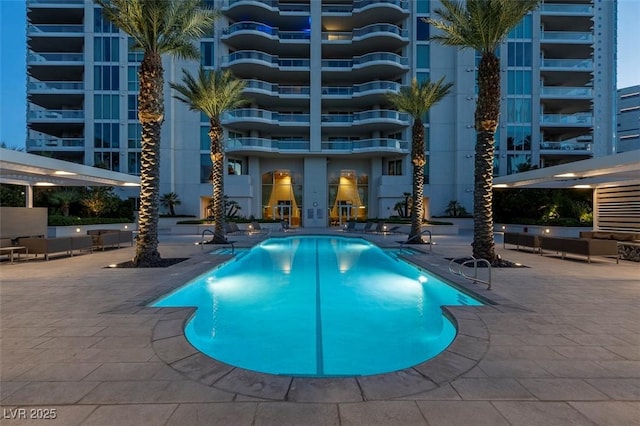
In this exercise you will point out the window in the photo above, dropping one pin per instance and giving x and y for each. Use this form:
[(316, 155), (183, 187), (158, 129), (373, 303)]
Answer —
[(394, 168), (519, 54), (205, 168), (207, 54), (422, 29), (134, 135), (107, 135), (106, 106), (106, 49), (519, 138), (133, 163), (422, 6), (234, 167), (422, 76), (205, 140), (523, 29), (106, 77), (107, 160), (132, 107), (519, 82), (102, 25), (133, 83), (134, 55), (519, 110), (422, 53)]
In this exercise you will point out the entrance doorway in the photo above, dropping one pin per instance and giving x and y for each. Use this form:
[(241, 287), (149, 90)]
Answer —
[(282, 211), (344, 211)]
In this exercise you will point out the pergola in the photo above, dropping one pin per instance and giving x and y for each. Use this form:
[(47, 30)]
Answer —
[(29, 170)]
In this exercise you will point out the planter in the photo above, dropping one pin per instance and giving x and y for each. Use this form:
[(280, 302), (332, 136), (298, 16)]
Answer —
[(68, 231)]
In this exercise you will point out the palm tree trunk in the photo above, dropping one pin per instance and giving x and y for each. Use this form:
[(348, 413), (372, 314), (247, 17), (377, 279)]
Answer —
[(151, 115), (217, 178), (419, 160), (486, 118)]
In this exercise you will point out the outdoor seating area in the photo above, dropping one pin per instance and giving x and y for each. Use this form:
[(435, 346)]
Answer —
[(102, 238), (49, 246), (522, 239)]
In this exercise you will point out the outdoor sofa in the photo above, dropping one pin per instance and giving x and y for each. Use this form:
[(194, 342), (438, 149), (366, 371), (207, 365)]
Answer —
[(522, 239), (102, 238), (47, 246), (580, 246)]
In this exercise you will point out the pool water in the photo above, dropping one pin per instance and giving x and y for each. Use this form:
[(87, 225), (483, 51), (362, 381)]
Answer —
[(318, 306)]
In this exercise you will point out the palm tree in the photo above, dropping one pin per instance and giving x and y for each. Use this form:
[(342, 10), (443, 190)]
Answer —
[(170, 200), (157, 27), (416, 100), (482, 25), (213, 92)]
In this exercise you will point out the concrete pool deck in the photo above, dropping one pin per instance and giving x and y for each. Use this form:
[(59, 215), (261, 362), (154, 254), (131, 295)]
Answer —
[(561, 347)]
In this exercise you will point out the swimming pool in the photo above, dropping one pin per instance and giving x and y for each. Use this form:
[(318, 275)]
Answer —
[(318, 306)]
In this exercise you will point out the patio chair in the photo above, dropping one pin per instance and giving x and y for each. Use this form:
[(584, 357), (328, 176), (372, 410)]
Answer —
[(367, 227), (286, 227), (255, 228), (380, 228), (351, 226), (231, 228)]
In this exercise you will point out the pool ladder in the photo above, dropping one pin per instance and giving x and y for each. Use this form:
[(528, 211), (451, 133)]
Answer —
[(410, 237), (475, 263)]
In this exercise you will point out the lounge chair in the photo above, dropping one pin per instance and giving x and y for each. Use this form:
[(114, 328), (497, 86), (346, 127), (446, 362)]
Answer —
[(231, 228), (255, 228), (286, 227), (380, 228), (351, 226), (367, 227)]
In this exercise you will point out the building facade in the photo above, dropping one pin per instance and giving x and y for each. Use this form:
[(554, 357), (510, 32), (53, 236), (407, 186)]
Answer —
[(318, 143), (628, 120)]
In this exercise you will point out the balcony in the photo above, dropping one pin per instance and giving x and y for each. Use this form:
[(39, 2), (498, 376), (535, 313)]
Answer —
[(566, 37), (581, 119), (363, 12), (263, 92), (265, 145), (566, 9), (55, 58), (364, 121), (271, 11), (266, 38), (55, 86), (384, 37), (73, 115), (566, 92), (372, 66), (553, 146), (364, 145), (263, 120), (48, 143), (244, 64)]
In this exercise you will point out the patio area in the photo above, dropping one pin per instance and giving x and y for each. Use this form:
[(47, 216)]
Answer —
[(561, 347)]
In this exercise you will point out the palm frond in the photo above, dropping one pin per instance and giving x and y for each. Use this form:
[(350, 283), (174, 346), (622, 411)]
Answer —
[(418, 98)]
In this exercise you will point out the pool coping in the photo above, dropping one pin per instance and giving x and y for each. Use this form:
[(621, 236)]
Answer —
[(170, 345)]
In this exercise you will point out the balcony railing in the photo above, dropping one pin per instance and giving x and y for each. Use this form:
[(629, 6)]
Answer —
[(362, 4), (55, 57), (255, 55), (566, 36), (57, 2), (262, 114), (357, 117), (270, 4), (265, 29), (380, 28), (566, 91), (50, 28), (275, 89), (365, 60), (365, 144), (361, 89), (269, 144), (566, 118), (565, 146), (56, 85), (566, 8), (57, 114), (574, 64), (55, 142)]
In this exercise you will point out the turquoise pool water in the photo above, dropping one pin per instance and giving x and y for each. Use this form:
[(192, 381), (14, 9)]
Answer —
[(318, 306)]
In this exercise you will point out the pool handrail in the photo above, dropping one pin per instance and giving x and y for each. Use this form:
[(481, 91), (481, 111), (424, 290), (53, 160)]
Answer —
[(209, 231), (474, 261), (411, 237)]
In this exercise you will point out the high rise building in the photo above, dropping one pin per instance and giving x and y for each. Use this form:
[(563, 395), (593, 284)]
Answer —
[(319, 143), (628, 134)]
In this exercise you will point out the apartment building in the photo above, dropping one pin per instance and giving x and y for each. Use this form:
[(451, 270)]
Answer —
[(628, 135), (318, 143)]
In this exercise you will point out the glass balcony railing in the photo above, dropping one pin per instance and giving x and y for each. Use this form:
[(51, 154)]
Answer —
[(270, 4), (48, 29), (275, 89), (265, 115), (361, 89), (566, 8), (365, 144), (254, 55), (57, 114), (270, 144), (55, 85), (380, 28), (574, 64), (566, 91), (55, 57), (357, 6), (365, 60), (585, 118), (357, 117), (566, 36), (265, 29), (63, 2), (55, 142), (565, 146)]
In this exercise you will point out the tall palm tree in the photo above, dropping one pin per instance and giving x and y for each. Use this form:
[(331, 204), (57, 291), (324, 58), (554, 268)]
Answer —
[(416, 100), (170, 200), (482, 25), (213, 92), (157, 27)]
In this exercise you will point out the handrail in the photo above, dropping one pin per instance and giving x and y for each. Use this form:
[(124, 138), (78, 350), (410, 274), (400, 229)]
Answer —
[(475, 262), (411, 237)]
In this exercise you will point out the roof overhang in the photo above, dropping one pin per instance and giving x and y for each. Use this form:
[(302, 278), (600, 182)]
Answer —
[(20, 168), (611, 170)]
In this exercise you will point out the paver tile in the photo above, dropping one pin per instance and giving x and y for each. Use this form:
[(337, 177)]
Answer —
[(526, 413), (610, 413), (134, 414), (461, 413), (288, 414), (222, 413), (381, 413), (557, 389)]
